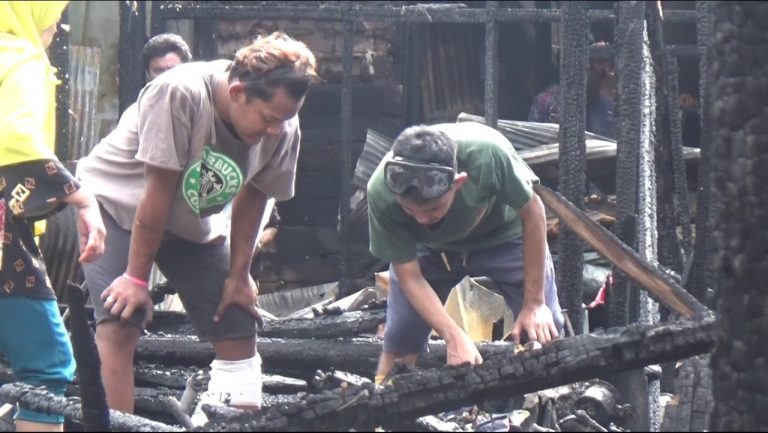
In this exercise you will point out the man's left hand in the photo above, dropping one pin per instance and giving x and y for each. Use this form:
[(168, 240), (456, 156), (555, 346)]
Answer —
[(537, 322), (242, 291)]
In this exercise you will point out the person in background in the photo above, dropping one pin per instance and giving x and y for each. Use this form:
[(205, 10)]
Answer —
[(163, 52), (601, 97), (33, 185), (602, 84)]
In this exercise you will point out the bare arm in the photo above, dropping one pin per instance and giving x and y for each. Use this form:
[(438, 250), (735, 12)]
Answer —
[(90, 227), (460, 347), (535, 317), (152, 213), (239, 288)]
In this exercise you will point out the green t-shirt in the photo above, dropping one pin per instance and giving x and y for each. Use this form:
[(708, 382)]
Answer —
[(482, 213)]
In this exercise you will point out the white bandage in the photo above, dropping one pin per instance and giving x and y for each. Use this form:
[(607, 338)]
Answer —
[(233, 383), (237, 383)]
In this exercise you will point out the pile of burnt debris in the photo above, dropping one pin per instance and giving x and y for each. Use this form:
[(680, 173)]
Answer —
[(320, 352), (318, 363)]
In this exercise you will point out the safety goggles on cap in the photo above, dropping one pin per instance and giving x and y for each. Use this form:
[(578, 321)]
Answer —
[(430, 180)]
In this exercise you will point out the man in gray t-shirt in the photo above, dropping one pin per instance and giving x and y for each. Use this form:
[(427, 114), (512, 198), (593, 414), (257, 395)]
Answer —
[(204, 134)]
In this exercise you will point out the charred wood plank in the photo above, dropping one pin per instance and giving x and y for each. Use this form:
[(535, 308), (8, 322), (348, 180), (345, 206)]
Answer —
[(149, 402), (349, 324), (149, 375), (573, 89), (41, 400), (358, 355), (699, 278), (416, 394), (292, 356), (418, 13), (657, 283), (94, 406)]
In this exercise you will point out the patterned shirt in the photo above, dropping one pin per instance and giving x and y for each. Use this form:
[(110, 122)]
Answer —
[(29, 191), (546, 106)]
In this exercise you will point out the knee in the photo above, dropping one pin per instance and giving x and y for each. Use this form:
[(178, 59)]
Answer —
[(115, 336), (402, 338)]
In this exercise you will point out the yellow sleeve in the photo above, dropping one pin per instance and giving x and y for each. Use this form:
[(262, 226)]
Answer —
[(27, 109)]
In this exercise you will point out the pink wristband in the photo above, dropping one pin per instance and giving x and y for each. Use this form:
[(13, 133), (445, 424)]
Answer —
[(135, 280)]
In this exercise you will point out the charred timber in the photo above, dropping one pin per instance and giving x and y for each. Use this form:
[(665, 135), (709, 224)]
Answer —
[(421, 13), (657, 283), (292, 356), (629, 61), (346, 149), (148, 402), (176, 378), (328, 326), (739, 203), (358, 356), (573, 94), (412, 395), (94, 399), (41, 400), (699, 278)]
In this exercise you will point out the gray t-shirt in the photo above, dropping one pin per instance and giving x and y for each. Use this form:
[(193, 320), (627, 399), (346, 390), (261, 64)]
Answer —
[(174, 126)]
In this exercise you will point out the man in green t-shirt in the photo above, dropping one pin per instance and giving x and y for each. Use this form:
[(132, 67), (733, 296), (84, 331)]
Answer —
[(453, 200)]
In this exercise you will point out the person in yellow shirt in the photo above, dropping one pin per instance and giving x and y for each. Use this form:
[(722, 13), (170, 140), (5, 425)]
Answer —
[(33, 185)]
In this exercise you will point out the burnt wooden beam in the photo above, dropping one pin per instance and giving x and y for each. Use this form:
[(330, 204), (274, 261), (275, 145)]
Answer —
[(699, 277), (420, 13), (42, 400), (491, 88), (736, 104), (149, 402), (329, 326), (657, 283), (572, 152), (349, 324), (94, 399), (412, 395), (354, 355), (172, 377), (133, 36), (346, 167), (58, 53), (296, 357)]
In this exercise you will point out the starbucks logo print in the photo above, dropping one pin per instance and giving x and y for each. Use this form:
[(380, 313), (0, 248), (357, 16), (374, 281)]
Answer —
[(212, 181)]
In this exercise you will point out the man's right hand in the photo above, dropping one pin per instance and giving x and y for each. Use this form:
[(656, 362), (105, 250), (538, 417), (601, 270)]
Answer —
[(123, 298), (461, 349)]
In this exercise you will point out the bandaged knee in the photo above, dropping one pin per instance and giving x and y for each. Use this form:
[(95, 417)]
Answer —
[(236, 383)]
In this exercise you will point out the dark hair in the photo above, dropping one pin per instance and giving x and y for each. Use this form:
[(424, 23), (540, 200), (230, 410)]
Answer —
[(423, 144), (160, 45), (426, 145), (271, 62)]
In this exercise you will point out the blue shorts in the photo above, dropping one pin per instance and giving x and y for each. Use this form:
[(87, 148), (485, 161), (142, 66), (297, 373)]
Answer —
[(35, 343), (408, 333)]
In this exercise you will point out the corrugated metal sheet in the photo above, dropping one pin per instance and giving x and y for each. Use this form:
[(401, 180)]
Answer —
[(84, 84), (376, 146), (59, 243)]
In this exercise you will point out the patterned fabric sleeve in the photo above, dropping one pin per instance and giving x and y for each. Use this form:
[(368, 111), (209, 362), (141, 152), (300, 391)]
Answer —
[(35, 189), (28, 191)]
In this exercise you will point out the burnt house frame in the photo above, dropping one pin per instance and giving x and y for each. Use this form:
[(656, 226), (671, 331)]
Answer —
[(574, 18)]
